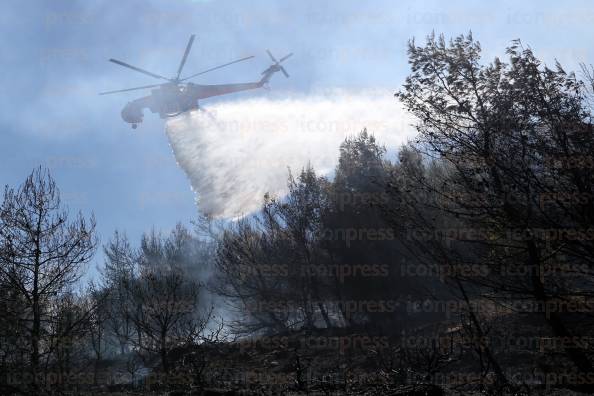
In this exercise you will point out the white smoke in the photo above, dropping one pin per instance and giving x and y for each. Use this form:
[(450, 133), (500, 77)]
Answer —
[(236, 151)]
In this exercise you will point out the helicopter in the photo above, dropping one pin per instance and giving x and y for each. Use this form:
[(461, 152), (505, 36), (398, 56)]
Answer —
[(176, 95)]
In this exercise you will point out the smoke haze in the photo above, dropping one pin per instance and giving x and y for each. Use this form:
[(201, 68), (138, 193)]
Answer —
[(234, 152)]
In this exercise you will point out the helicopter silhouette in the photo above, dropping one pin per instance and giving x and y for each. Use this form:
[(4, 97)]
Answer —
[(177, 96)]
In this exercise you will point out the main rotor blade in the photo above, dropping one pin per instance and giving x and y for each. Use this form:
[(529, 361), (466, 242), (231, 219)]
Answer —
[(129, 89), (285, 57), (183, 61), (284, 72), (271, 56), (218, 67), (148, 73)]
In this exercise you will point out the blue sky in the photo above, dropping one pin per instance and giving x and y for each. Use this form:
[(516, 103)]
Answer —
[(54, 62)]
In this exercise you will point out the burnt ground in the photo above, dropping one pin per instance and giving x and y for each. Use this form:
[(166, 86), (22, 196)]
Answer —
[(432, 360)]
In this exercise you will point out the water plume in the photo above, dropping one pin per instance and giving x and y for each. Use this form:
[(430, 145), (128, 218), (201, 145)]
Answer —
[(236, 151)]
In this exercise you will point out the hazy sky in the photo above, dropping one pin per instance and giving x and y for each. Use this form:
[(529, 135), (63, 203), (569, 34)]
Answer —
[(54, 62)]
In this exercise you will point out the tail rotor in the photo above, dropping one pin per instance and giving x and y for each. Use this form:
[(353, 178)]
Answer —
[(277, 64)]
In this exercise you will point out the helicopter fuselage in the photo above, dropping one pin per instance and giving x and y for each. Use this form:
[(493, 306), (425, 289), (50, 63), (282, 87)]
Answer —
[(172, 99)]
